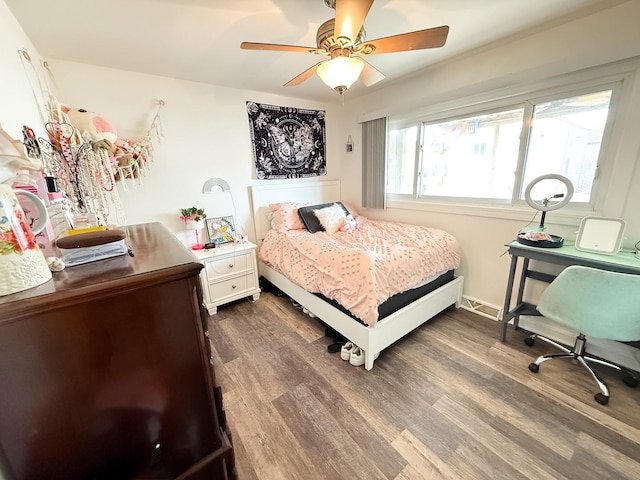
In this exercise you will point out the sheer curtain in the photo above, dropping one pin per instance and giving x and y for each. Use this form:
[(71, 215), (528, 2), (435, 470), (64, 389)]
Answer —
[(374, 171)]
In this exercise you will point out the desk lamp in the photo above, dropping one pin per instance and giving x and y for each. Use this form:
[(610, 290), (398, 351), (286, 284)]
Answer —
[(195, 226), (193, 219), (539, 237)]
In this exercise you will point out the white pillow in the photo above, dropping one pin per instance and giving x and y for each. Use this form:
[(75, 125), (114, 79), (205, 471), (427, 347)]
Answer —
[(331, 218)]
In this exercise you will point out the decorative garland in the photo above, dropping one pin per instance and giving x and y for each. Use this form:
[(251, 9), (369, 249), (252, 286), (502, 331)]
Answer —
[(85, 171)]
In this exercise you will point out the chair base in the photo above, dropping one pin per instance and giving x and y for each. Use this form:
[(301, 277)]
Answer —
[(578, 353)]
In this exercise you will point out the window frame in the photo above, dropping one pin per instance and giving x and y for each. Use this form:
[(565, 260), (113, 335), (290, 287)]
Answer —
[(618, 78)]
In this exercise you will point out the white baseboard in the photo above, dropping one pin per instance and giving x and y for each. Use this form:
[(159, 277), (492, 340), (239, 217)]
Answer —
[(616, 352)]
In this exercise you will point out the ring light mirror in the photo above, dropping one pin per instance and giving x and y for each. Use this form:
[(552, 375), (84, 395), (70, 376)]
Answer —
[(546, 193), (543, 196)]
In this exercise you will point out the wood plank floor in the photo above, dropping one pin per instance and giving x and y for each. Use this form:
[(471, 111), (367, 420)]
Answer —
[(448, 401)]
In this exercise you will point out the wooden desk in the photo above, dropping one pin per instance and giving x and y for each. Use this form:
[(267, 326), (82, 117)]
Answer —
[(623, 262)]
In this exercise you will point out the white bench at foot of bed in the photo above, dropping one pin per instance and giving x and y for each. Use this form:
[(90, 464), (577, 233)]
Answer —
[(388, 330)]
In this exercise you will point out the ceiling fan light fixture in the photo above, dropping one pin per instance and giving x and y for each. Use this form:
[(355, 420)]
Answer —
[(343, 36), (340, 73)]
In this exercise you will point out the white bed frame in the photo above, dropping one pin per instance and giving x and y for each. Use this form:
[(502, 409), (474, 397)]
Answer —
[(370, 339)]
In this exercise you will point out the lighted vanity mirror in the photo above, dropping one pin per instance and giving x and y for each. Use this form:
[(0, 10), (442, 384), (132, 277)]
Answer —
[(600, 235)]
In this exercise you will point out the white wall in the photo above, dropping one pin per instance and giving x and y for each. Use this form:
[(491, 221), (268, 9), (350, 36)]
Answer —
[(608, 36), (206, 128), (206, 134), (17, 104)]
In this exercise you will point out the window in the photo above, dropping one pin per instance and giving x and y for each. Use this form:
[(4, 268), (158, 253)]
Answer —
[(401, 159), (473, 157), (489, 153), (566, 138)]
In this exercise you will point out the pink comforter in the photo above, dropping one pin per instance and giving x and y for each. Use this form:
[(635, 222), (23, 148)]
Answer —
[(363, 268)]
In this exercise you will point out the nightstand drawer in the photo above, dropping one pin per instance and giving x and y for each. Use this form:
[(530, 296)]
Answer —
[(227, 288), (225, 266)]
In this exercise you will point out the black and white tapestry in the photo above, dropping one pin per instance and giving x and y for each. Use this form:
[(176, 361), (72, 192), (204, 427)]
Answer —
[(287, 142)]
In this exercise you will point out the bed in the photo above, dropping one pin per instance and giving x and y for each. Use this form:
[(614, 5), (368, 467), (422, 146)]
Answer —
[(371, 332)]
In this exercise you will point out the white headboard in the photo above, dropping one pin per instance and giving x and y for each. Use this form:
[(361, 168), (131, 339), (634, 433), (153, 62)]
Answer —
[(310, 192)]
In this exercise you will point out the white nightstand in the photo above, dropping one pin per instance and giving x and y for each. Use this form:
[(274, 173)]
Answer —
[(230, 273)]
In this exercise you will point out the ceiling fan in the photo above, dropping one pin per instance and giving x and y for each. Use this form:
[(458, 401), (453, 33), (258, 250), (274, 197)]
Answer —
[(343, 39)]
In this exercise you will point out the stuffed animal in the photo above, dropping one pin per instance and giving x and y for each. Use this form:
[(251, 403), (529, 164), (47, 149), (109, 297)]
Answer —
[(126, 160), (350, 224), (91, 126)]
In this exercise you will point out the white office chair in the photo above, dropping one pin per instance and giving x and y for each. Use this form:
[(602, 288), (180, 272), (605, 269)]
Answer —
[(596, 303)]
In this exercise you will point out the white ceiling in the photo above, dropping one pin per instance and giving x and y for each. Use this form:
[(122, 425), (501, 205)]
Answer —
[(199, 40)]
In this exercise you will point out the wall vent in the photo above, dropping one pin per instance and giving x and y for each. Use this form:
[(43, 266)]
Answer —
[(481, 308)]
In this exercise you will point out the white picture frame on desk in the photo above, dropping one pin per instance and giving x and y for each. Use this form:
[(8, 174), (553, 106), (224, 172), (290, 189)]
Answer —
[(600, 235)]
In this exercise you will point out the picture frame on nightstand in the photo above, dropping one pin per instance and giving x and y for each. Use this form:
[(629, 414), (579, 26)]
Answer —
[(221, 230)]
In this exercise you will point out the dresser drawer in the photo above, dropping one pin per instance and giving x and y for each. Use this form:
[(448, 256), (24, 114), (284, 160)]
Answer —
[(226, 266), (227, 288)]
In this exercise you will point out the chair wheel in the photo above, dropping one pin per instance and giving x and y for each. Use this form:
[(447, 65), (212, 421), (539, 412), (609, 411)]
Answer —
[(630, 381), (529, 341), (601, 399), (534, 368)]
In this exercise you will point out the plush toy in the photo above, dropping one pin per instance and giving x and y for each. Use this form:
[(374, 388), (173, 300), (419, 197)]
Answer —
[(123, 144), (350, 224), (126, 159), (91, 126), (121, 148)]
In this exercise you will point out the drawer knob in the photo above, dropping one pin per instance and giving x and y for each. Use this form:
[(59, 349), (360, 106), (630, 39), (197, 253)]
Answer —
[(231, 265), (233, 286)]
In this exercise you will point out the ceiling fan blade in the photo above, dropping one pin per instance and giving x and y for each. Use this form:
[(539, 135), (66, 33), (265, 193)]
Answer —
[(429, 38), (308, 73), (350, 15), (370, 74), (276, 47)]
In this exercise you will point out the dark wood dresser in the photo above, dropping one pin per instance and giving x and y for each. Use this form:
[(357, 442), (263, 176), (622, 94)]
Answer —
[(105, 371)]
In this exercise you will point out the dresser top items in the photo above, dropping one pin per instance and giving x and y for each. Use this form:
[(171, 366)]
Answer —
[(157, 253)]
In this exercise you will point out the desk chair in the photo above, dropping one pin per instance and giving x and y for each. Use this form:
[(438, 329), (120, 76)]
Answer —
[(596, 303)]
